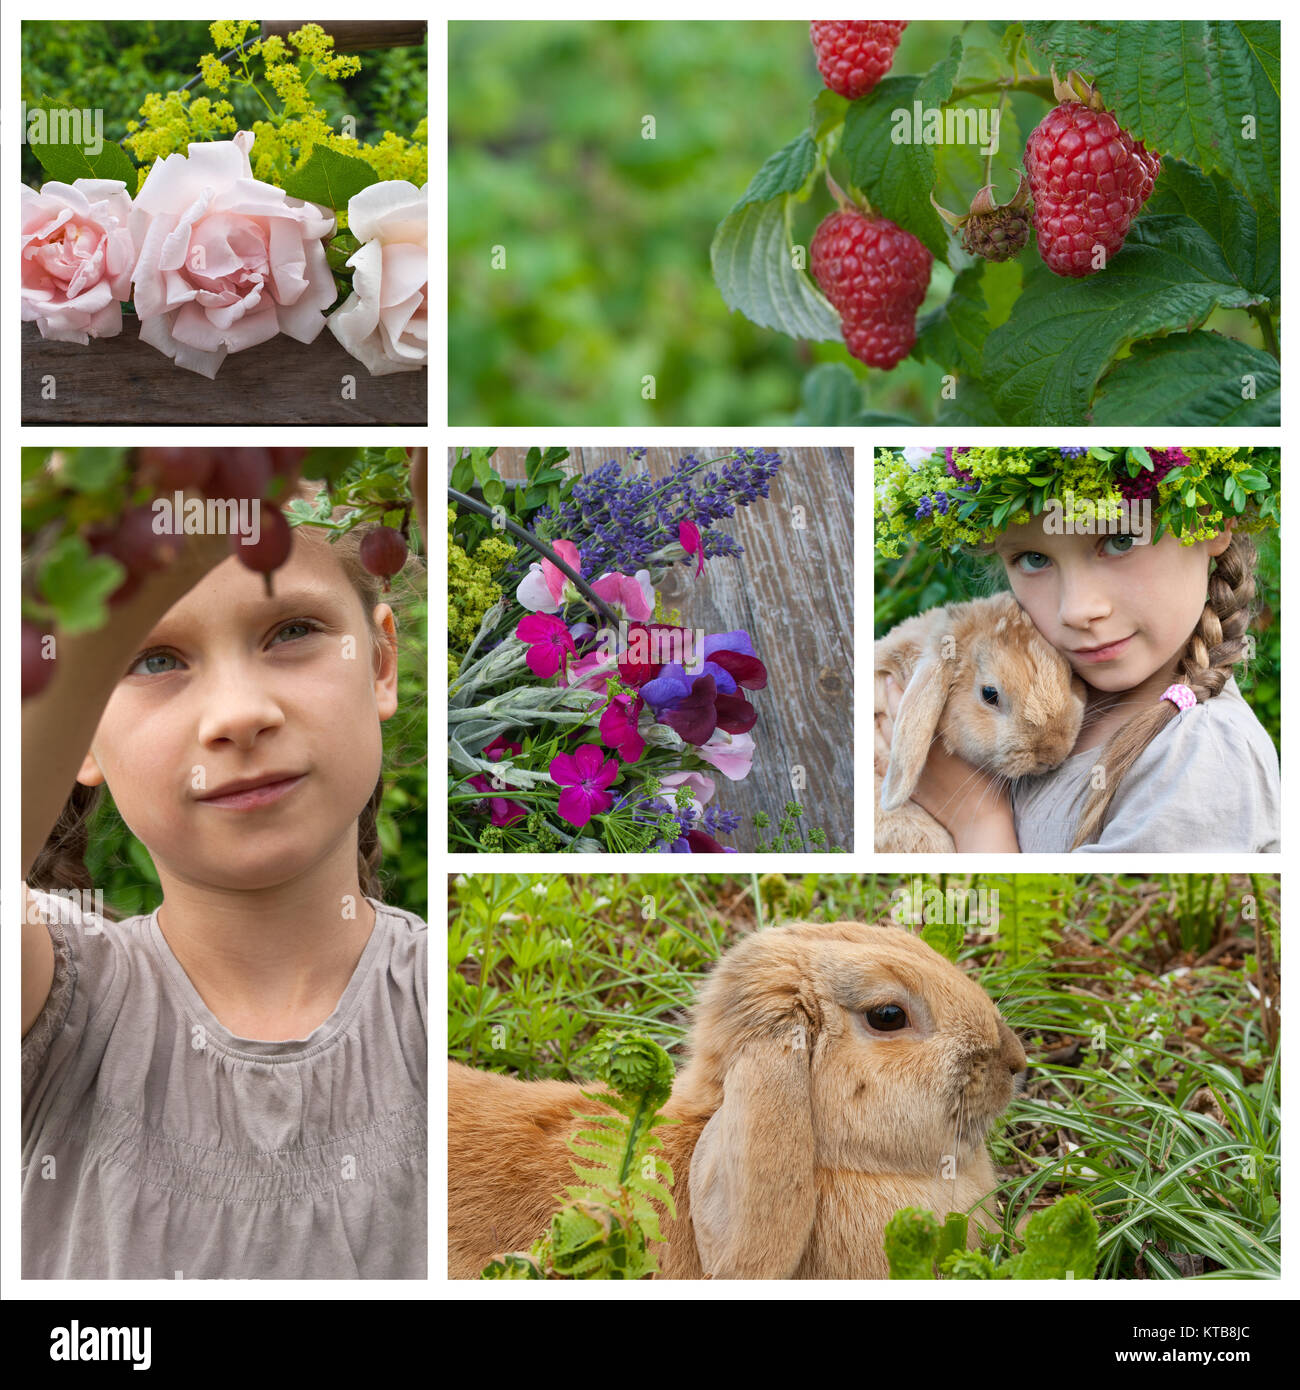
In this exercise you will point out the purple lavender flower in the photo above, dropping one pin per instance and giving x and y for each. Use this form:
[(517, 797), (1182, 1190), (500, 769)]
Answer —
[(1073, 452), (923, 508)]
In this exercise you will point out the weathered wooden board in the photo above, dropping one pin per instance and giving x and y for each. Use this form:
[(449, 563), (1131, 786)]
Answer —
[(122, 381), (792, 590)]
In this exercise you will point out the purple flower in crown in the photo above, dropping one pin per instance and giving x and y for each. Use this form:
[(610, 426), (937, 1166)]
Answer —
[(954, 471), (923, 508), (1145, 484), (1073, 452), (941, 503)]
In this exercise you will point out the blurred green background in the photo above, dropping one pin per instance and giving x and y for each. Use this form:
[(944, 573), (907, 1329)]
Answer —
[(607, 235), (919, 579), (113, 64)]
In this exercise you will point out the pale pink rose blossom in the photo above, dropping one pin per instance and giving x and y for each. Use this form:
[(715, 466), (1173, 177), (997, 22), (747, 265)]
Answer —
[(385, 321), (225, 261), (77, 258)]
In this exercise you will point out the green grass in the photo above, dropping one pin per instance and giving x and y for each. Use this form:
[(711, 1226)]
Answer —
[(1154, 1089)]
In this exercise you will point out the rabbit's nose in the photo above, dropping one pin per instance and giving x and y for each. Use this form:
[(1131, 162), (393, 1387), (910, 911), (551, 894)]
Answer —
[(1012, 1053)]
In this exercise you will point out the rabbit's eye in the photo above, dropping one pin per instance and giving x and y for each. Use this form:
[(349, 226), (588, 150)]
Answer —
[(888, 1018), (989, 694)]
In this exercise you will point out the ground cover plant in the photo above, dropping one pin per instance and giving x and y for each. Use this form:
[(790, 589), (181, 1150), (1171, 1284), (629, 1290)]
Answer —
[(1147, 1004)]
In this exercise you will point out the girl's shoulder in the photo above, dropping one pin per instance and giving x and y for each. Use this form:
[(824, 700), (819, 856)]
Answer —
[(1215, 728)]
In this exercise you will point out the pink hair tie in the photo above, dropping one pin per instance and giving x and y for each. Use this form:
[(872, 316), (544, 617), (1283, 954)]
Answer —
[(1180, 695)]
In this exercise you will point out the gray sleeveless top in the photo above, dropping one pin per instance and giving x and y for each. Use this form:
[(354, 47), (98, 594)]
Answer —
[(159, 1145)]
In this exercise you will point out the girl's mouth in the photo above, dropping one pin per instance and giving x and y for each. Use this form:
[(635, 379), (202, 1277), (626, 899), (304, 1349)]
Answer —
[(1107, 653), (253, 798)]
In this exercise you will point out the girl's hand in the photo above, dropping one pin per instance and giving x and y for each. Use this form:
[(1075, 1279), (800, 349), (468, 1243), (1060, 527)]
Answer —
[(974, 806)]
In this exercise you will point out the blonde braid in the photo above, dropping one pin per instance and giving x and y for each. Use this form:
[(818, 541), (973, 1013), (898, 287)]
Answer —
[(1215, 646)]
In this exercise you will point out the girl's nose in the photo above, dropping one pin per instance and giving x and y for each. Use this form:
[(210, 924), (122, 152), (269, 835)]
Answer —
[(1083, 600), (236, 710)]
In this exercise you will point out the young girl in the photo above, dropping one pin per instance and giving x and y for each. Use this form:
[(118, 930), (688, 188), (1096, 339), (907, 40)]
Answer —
[(233, 1087), (1170, 756)]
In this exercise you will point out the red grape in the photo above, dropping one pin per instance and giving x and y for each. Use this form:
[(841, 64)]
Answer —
[(241, 473), (383, 552), (138, 546), (272, 547), (37, 667), (174, 468)]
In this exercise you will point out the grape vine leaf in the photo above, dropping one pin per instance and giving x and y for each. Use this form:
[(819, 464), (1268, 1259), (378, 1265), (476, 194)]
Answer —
[(76, 584), (1191, 379), (896, 173), (1202, 90), (1171, 273), (66, 162), (329, 178), (753, 264)]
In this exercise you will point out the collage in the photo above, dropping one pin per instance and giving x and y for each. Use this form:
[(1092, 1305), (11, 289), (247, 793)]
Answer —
[(732, 330)]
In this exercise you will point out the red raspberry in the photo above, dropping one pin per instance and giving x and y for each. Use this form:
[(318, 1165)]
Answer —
[(1089, 180), (854, 54), (876, 275)]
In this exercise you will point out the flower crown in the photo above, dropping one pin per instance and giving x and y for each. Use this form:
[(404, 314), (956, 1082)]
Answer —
[(952, 497)]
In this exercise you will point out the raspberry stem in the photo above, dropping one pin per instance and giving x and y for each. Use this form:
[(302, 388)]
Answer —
[(1037, 85), (1267, 328)]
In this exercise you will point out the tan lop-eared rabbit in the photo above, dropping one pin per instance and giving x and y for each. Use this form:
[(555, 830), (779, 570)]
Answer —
[(835, 1073), (980, 676)]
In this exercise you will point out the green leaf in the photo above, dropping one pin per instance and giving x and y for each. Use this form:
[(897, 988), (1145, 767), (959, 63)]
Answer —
[(329, 178), (1191, 379), (830, 395), (76, 584), (494, 491), (752, 258), (1060, 1240), (1202, 90), (66, 162), (953, 334), (972, 404), (91, 470), (911, 1238), (1250, 244), (898, 175), (952, 1236), (946, 937), (1048, 356)]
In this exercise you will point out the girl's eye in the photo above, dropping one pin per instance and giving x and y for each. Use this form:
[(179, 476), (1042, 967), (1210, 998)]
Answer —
[(888, 1018), (1125, 544), (1032, 561), (299, 628), (145, 666)]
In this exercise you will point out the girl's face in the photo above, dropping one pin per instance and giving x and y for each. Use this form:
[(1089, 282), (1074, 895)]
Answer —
[(1119, 611), (243, 741)]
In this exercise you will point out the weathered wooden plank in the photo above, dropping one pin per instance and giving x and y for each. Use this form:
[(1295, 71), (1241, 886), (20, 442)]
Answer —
[(792, 589), (122, 381), (355, 35)]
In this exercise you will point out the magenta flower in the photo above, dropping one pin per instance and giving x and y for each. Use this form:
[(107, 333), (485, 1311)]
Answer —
[(504, 812), (689, 535), (542, 589), (550, 644), (584, 775), (618, 727)]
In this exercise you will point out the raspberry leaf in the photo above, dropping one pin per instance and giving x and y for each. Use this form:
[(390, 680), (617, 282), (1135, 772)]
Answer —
[(1048, 356), (1191, 379), (751, 254), (1201, 90), (897, 178)]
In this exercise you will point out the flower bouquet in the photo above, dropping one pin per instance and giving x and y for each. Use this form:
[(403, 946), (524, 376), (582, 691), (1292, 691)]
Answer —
[(582, 716), (221, 244)]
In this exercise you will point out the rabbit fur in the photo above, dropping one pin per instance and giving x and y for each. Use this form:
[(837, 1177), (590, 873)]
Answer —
[(802, 1129), (944, 658)]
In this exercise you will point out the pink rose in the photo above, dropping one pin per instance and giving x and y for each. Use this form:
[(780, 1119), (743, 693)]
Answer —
[(385, 321), (225, 261), (77, 258)]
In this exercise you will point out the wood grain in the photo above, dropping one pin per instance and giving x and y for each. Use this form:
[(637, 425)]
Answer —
[(122, 381), (792, 590)]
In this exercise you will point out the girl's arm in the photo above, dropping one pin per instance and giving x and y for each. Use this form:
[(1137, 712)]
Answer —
[(973, 806), (60, 722)]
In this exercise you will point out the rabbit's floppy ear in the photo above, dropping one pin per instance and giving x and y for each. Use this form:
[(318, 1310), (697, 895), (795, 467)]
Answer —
[(752, 1188), (914, 730)]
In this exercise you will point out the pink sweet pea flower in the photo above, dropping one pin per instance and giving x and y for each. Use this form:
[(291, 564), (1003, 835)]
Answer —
[(541, 590), (584, 775), (618, 727), (550, 645), (701, 785), (689, 535), (629, 598), (731, 754)]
